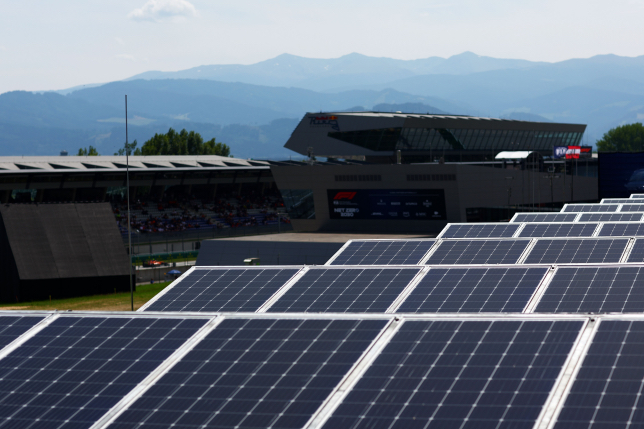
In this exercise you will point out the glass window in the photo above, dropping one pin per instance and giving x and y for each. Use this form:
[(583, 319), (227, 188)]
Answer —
[(299, 203)]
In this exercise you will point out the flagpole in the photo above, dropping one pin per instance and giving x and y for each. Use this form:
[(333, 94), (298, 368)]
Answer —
[(127, 184)]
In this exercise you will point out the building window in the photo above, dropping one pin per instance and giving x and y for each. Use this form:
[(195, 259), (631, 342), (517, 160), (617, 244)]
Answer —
[(358, 178), (299, 203)]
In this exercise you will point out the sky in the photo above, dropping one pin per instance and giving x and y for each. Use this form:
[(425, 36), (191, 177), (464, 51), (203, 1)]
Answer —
[(57, 45)]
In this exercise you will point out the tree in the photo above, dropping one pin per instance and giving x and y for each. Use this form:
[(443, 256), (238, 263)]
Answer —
[(130, 147), (182, 143), (625, 138), (92, 151)]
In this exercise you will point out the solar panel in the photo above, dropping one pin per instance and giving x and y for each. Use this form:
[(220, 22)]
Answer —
[(386, 252), (622, 230), (610, 217), (558, 230), (480, 230), (607, 391), (594, 290), (226, 289), (544, 217), (457, 374), (345, 290), (74, 370), (11, 327), (473, 290), (632, 208), (256, 373), (577, 251), (637, 252), (596, 208), (637, 196), (617, 201), (478, 252)]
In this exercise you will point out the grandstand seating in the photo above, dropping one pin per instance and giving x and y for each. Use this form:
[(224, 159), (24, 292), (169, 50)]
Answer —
[(171, 215)]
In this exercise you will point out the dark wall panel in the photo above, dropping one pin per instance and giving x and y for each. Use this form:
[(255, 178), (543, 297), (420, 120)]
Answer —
[(28, 240), (104, 239), (67, 240)]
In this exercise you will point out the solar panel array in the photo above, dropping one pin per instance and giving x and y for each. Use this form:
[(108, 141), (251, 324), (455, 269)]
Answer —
[(534, 323)]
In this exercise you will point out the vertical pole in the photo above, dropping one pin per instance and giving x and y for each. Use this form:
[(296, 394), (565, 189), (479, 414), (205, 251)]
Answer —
[(129, 227)]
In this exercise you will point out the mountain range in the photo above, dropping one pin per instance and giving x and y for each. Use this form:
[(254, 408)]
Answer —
[(254, 108)]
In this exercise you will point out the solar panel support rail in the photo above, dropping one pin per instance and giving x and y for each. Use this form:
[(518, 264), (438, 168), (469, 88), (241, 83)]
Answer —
[(627, 251), (578, 217), (138, 391), (352, 377), (619, 208), (430, 252), (600, 226), (166, 289), (553, 406), (540, 290), (526, 251), (47, 320), (519, 230), (340, 250), (402, 297), (282, 290)]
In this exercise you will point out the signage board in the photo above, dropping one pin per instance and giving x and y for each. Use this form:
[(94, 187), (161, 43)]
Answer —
[(400, 204)]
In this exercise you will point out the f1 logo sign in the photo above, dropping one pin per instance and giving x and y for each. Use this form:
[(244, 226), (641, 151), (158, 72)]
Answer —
[(344, 195)]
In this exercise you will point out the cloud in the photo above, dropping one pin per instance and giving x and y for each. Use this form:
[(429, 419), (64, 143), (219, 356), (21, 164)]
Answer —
[(3, 48), (119, 41), (159, 10), (125, 57)]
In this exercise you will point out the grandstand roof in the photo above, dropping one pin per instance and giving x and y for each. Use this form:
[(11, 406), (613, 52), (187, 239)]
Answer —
[(102, 163)]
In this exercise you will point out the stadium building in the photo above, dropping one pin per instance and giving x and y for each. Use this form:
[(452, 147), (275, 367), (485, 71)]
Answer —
[(420, 172), (375, 137)]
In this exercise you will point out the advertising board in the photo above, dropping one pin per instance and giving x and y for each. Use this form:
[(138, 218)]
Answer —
[(399, 204)]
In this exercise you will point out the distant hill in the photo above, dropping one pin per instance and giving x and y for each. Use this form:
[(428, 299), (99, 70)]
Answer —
[(253, 108), (409, 108), (345, 72)]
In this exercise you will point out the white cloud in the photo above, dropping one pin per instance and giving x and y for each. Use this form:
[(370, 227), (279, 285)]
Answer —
[(119, 41), (159, 10), (125, 57), (3, 48)]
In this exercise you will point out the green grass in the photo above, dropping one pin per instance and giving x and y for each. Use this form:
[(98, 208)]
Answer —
[(111, 302)]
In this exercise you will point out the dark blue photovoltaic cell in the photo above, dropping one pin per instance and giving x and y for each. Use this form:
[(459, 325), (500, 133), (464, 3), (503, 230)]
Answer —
[(545, 217), (577, 251), (453, 252), (618, 201), (594, 290), (610, 217), (468, 230), (536, 230), (386, 252), (333, 290), (233, 289), (473, 290), (635, 196), (73, 371), (632, 208), (256, 373), (637, 252), (622, 230), (11, 327), (590, 208), (607, 391), (460, 374)]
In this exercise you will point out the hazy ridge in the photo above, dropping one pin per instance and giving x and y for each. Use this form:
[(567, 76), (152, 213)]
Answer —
[(254, 108)]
